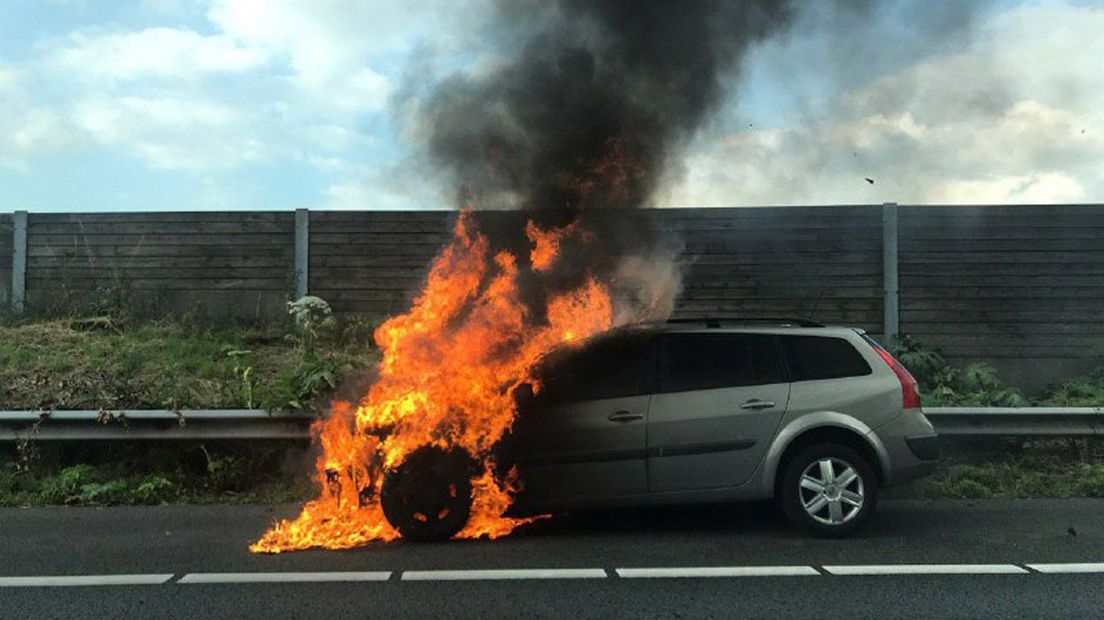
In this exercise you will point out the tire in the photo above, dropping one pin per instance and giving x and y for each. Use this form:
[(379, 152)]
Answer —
[(428, 497), (828, 510)]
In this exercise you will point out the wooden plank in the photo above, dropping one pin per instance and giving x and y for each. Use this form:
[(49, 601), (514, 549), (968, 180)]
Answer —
[(99, 272), (993, 316), (259, 260), (369, 273), (358, 261), (281, 284), (817, 269), (385, 227), (246, 238), (968, 279), (1019, 246), (971, 307), (825, 248), (383, 249), (198, 249), (1007, 268), (152, 228), (997, 330), (751, 212), (369, 239), (1003, 232), (1033, 258), (167, 216), (1000, 294), (347, 217), (978, 211)]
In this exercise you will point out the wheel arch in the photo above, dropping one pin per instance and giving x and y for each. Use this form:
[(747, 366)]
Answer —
[(828, 427)]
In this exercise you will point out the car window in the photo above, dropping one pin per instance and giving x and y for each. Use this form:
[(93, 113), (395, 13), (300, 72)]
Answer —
[(818, 357), (609, 367), (707, 361)]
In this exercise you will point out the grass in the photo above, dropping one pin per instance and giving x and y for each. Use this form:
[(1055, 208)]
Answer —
[(139, 474), (1036, 473), (102, 364)]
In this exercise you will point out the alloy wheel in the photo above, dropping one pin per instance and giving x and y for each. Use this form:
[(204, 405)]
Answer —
[(831, 491)]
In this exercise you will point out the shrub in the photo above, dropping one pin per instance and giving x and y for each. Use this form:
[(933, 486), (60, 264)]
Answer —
[(943, 384)]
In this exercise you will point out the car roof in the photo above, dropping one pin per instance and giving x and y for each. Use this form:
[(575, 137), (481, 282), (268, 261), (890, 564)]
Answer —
[(750, 326)]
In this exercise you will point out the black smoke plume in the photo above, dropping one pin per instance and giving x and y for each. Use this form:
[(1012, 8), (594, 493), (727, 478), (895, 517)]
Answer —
[(587, 107)]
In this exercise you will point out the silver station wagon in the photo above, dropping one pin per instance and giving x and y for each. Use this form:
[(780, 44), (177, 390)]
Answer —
[(694, 411)]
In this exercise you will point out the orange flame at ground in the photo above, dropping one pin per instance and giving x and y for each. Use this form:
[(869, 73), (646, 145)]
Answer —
[(449, 368)]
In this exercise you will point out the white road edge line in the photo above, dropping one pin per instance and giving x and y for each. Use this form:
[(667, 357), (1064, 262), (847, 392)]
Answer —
[(927, 569), (284, 577), (496, 574), (718, 571), (84, 580), (1067, 568)]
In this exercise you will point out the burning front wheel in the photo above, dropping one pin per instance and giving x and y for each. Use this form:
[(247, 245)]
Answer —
[(429, 496)]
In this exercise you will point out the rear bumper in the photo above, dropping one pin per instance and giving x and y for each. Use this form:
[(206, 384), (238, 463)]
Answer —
[(924, 447), (912, 447)]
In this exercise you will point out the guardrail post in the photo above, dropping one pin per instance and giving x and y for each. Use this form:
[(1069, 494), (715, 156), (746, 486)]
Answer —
[(302, 252), (19, 262), (891, 304)]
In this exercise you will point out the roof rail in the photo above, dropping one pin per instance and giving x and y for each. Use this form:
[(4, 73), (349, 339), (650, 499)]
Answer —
[(715, 322)]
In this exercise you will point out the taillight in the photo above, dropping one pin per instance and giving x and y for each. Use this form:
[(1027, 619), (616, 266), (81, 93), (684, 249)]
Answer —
[(910, 391)]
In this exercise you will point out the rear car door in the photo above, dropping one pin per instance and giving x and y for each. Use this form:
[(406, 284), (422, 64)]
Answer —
[(720, 400), (583, 436)]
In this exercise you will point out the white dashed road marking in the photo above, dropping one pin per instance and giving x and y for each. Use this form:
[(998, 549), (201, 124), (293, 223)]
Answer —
[(1067, 568), (284, 577), (927, 569), (497, 574), (687, 572), (84, 580), (718, 571)]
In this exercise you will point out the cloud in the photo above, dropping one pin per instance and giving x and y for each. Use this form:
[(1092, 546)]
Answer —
[(154, 52), (172, 133), (1015, 116)]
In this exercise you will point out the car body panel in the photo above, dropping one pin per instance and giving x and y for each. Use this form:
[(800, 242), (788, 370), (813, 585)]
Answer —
[(703, 439), (575, 452), (699, 446)]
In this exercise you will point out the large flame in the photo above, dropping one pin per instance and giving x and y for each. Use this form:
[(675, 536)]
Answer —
[(449, 368)]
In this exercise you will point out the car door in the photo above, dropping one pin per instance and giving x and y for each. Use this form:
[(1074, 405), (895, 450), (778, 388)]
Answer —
[(720, 400), (582, 437)]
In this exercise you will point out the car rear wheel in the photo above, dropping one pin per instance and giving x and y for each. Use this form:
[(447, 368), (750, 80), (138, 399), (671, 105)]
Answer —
[(429, 495), (828, 490)]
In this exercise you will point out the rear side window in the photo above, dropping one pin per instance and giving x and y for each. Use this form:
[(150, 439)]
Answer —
[(606, 368), (707, 361), (820, 357)]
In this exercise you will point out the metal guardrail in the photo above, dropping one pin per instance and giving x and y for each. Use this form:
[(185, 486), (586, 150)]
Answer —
[(1017, 421), (257, 424), (153, 424)]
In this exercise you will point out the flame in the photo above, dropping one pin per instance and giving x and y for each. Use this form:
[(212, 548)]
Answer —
[(446, 378)]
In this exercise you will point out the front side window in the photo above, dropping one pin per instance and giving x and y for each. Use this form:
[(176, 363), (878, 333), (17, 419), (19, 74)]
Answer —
[(609, 367), (708, 361)]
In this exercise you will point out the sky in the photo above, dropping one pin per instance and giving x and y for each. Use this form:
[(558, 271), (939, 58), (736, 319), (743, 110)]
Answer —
[(277, 104)]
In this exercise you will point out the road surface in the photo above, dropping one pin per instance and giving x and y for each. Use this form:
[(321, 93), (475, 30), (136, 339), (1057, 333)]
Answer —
[(989, 558)]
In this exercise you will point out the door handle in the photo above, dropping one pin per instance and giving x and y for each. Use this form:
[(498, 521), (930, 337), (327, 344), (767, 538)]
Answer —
[(625, 416), (755, 403)]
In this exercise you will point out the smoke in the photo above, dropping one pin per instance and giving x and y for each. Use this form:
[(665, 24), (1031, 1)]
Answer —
[(588, 108)]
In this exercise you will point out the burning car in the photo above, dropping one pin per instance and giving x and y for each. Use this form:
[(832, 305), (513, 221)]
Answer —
[(696, 411)]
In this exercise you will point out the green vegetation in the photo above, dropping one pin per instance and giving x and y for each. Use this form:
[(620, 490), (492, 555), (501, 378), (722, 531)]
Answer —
[(977, 384), (106, 474), (1037, 474), (108, 363), (944, 385)]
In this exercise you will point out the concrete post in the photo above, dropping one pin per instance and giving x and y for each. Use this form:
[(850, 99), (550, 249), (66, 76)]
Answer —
[(302, 252), (19, 262), (891, 304)]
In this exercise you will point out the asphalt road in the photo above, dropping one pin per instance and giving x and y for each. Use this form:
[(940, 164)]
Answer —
[(584, 564)]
